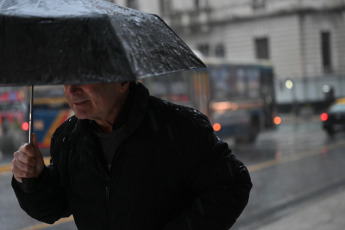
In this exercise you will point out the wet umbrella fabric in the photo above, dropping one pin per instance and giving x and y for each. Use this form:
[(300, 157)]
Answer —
[(72, 42), (45, 42)]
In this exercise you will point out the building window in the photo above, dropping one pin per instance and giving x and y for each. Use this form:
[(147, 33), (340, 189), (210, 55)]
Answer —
[(200, 4), (164, 6), (326, 53), (219, 51), (132, 4), (258, 4), (262, 48), (204, 49)]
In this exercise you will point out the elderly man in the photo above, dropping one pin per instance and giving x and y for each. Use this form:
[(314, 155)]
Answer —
[(128, 160)]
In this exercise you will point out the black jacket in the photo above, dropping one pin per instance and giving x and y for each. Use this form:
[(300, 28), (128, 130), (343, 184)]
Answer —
[(170, 173)]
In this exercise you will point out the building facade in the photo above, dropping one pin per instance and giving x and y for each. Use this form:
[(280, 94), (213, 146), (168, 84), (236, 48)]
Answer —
[(304, 40)]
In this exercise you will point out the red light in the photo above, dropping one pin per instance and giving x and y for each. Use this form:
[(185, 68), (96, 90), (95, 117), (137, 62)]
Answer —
[(277, 120), (324, 117), (217, 127), (25, 126)]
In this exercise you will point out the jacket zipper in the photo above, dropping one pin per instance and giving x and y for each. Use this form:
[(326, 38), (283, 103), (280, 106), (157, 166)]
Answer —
[(107, 193), (110, 180), (107, 198)]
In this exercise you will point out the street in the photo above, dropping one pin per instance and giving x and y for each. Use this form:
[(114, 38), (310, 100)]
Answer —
[(290, 166)]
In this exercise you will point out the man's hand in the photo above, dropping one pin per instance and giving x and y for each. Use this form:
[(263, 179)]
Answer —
[(28, 161)]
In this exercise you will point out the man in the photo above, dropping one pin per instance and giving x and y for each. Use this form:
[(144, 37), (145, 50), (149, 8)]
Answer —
[(128, 160)]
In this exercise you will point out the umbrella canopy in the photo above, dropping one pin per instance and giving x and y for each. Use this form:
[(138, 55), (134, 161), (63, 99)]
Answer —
[(44, 42), (83, 41)]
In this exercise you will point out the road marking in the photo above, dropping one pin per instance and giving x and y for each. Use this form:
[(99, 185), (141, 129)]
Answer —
[(5, 168), (294, 157), (44, 226)]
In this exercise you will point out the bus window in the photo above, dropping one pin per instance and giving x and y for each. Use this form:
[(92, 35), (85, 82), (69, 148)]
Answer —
[(241, 80), (253, 83)]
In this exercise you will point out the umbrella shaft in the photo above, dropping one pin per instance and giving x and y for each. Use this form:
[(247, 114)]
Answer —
[(31, 106), (29, 184)]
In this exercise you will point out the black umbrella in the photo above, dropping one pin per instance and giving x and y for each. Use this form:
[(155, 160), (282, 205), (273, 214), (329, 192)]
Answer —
[(85, 41)]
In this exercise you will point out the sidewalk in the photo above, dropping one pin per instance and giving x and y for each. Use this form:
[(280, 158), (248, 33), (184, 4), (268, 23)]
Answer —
[(322, 213)]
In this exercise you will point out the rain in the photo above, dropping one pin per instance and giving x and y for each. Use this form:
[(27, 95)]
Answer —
[(275, 74)]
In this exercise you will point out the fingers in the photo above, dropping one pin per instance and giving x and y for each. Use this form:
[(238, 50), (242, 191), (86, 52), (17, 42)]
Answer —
[(24, 166), (18, 171), (24, 161), (28, 161), (28, 149)]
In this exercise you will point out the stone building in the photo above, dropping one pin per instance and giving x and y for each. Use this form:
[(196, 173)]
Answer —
[(304, 40)]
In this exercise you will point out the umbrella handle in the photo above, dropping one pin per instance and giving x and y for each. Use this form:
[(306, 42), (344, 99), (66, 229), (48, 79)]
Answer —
[(29, 184)]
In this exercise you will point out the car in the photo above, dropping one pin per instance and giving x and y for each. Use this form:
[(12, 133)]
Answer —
[(333, 120)]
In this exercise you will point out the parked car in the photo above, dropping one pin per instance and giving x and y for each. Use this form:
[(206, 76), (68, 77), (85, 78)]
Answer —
[(333, 120)]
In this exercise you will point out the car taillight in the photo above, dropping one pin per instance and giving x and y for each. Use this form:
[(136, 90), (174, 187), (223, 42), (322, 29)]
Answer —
[(277, 120), (324, 117), (217, 127)]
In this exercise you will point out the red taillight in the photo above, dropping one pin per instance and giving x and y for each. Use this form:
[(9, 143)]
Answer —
[(277, 120), (324, 117), (25, 126), (217, 127)]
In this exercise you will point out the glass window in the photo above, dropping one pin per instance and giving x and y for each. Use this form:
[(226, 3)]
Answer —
[(262, 48), (338, 108), (258, 4), (253, 83), (220, 51), (200, 3), (204, 49), (132, 4), (326, 53), (164, 6)]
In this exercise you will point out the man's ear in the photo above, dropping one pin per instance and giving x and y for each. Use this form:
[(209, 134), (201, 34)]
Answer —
[(124, 86)]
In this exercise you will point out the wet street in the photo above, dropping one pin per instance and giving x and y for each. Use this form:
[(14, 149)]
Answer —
[(289, 165)]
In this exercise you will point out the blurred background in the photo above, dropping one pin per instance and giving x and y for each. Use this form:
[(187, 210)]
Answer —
[(274, 90)]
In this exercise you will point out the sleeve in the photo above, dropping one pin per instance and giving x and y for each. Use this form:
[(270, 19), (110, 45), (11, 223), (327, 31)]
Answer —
[(48, 203), (221, 184)]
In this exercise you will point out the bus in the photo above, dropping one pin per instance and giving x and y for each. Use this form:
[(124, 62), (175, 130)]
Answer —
[(239, 99), (50, 111)]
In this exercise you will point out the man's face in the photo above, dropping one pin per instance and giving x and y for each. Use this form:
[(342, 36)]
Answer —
[(95, 101)]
